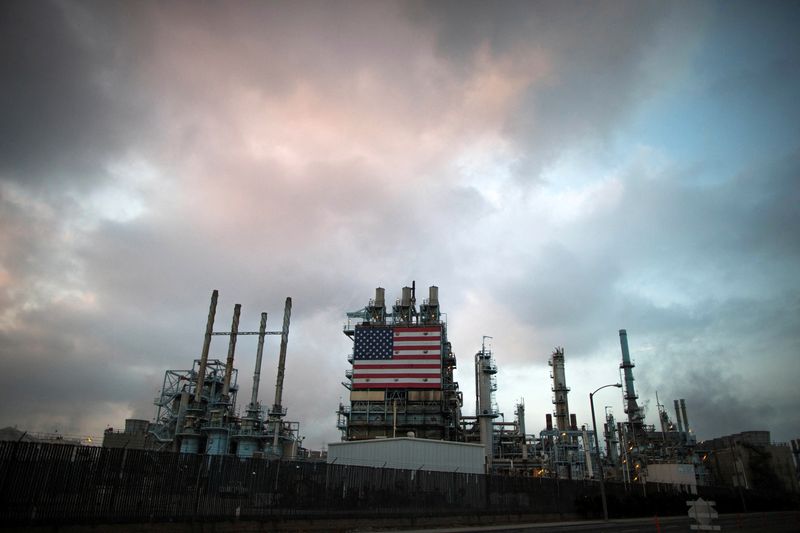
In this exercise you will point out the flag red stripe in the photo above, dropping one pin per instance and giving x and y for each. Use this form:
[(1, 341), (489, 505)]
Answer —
[(410, 365), (379, 386), (420, 375)]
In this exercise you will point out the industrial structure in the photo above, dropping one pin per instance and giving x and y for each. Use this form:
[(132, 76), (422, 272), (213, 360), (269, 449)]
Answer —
[(196, 409), (401, 382), (401, 386)]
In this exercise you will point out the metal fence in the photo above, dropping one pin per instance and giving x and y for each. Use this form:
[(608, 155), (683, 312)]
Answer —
[(60, 484)]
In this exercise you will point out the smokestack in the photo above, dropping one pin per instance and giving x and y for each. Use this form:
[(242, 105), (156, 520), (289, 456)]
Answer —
[(201, 371), (226, 384), (573, 422), (262, 331), (678, 416), (277, 408), (683, 412), (548, 421), (287, 313)]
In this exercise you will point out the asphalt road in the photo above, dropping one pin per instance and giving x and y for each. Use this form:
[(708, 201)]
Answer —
[(777, 522)]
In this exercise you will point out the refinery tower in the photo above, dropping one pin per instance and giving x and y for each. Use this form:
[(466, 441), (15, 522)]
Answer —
[(401, 382)]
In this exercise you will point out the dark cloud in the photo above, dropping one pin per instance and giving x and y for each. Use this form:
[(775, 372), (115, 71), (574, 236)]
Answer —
[(155, 152), (66, 99)]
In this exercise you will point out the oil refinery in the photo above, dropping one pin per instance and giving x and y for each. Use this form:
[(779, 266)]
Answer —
[(405, 409), (408, 451), (196, 409), (401, 386)]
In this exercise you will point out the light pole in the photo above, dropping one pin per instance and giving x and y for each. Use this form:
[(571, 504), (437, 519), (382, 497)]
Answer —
[(597, 449)]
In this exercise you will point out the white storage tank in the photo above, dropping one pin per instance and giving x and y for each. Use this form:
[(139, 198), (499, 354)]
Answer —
[(408, 453)]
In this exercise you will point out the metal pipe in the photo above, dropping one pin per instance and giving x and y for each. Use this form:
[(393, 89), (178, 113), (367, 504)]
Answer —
[(201, 371), (262, 331), (226, 382)]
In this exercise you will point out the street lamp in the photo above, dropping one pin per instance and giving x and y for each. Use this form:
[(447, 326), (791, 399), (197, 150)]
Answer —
[(597, 448)]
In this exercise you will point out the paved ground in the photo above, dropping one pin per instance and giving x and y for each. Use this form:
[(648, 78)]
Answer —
[(778, 522)]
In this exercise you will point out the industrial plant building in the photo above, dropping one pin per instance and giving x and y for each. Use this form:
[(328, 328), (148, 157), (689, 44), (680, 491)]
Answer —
[(197, 406), (401, 385), (405, 411)]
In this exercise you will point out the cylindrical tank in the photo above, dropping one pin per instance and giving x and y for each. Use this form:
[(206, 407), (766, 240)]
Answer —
[(380, 297), (247, 447), (217, 442), (405, 299), (190, 444), (548, 421), (573, 422), (433, 295)]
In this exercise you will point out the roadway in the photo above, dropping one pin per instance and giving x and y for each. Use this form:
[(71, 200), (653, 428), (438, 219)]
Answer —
[(772, 522)]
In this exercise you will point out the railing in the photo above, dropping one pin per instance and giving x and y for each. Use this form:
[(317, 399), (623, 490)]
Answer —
[(58, 485)]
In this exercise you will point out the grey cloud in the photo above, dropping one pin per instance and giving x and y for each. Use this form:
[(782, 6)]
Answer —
[(66, 103)]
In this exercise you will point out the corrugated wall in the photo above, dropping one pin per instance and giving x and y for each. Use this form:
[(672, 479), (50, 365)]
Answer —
[(410, 454)]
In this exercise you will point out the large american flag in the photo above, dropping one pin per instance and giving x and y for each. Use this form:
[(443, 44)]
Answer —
[(386, 357)]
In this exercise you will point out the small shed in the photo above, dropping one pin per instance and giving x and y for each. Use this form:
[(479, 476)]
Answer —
[(408, 453)]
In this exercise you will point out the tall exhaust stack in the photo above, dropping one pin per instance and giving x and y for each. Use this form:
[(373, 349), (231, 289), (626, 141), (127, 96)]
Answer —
[(277, 408), (678, 416), (201, 371), (262, 331), (683, 413), (631, 407), (226, 383)]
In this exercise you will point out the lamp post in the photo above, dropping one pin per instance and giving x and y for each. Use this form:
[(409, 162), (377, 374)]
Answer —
[(597, 449)]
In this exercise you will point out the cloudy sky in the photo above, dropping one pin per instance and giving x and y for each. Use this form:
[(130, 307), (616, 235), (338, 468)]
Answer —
[(561, 170)]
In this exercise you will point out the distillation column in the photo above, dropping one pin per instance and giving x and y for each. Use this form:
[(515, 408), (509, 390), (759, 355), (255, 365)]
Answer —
[(612, 443), (631, 407), (560, 390), (521, 428), (485, 370)]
